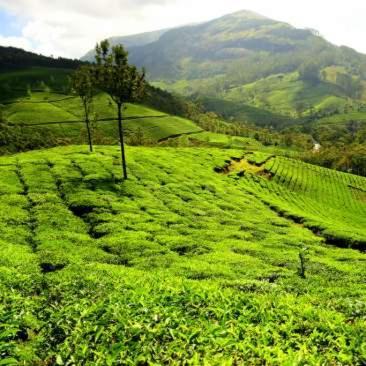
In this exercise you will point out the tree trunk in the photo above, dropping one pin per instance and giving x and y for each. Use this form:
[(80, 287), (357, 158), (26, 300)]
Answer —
[(89, 134), (120, 129), (87, 122)]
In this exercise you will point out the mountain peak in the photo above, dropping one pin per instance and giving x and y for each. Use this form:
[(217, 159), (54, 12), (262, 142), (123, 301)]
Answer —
[(246, 14)]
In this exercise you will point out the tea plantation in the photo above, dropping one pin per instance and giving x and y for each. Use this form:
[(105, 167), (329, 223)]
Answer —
[(203, 257), (45, 107)]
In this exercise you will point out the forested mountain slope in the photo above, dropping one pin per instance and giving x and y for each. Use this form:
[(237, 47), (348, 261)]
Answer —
[(12, 58), (231, 59)]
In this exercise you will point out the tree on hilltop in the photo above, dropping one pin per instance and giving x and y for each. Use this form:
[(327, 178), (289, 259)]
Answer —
[(121, 81)]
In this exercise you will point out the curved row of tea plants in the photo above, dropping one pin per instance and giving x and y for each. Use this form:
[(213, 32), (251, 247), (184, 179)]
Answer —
[(330, 203), (44, 107), (178, 265)]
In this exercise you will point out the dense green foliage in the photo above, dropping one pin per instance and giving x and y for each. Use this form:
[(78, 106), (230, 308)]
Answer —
[(15, 138), (180, 264), (22, 83), (351, 159), (12, 58)]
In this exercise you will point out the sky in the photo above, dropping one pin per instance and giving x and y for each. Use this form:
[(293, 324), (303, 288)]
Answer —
[(70, 28)]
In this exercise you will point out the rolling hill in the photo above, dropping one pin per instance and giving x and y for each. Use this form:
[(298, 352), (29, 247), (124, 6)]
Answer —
[(203, 256), (46, 107), (36, 90), (251, 61)]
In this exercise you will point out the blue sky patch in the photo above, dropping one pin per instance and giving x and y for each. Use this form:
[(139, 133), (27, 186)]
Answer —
[(9, 25)]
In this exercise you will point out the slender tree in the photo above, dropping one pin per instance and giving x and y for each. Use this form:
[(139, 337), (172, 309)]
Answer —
[(121, 81), (83, 83)]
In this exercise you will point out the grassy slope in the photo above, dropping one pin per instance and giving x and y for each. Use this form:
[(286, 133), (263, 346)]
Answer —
[(330, 202), (51, 107), (241, 111), (177, 264), (342, 118), (281, 93), (275, 100), (221, 140)]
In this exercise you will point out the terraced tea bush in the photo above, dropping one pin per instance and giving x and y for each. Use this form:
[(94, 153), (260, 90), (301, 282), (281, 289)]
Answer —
[(324, 200), (179, 264), (43, 107)]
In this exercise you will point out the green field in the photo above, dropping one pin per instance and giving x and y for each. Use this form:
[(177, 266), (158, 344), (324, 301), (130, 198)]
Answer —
[(193, 260), (43, 107), (225, 141)]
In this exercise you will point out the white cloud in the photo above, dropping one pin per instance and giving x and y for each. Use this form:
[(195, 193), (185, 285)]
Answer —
[(19, 42), (72, 27)]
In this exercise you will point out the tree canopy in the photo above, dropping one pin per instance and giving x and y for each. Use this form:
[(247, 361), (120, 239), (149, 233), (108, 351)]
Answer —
[(120, 80)]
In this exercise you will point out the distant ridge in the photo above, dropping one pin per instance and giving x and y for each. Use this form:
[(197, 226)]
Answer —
[(12, 58), (134, 40)]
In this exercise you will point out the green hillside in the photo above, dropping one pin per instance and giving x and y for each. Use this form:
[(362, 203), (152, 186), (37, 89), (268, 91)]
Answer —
[(290, 95), (234, 48), (18, 84), (226, 141), (194, 259), (330, 203), (241, 111), (40, 94), (281, 100), (284, 93), (256, 69), (44, 107), (224, 246)]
